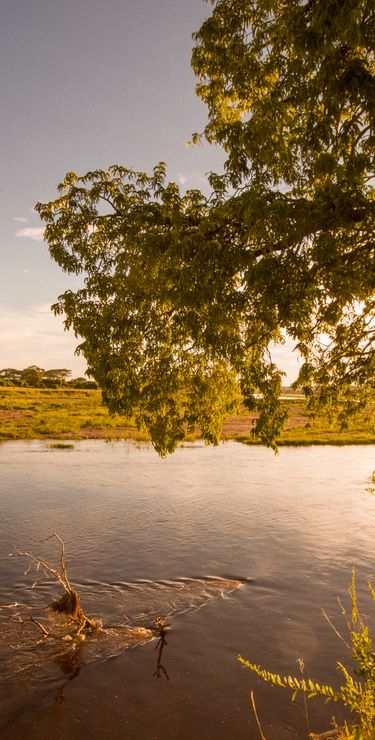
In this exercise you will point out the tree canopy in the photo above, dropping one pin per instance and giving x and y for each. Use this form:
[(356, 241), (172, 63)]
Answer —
[(184, 293)]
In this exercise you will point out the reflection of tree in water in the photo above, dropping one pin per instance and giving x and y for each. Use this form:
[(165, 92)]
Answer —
[(69, 639), (162, 628), (70, 661), (71, 625)]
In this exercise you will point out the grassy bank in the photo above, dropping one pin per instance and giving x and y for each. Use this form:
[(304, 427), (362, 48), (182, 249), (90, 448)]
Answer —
[(62, 413), (65, 413)]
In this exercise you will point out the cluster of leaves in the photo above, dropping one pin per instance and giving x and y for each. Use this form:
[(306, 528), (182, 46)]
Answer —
[(357, 695), (185, 294), (290, 90), (150, 314)]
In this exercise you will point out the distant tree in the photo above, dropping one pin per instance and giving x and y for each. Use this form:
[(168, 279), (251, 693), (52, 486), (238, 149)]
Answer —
[(11, 375), (184, 294), (59, 376), (83, 383), (32, 375)]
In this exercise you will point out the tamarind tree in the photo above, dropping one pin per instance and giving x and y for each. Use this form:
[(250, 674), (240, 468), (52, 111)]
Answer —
[(184, 293)]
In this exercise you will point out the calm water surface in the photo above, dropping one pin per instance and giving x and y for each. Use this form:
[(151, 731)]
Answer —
[(237, 548)]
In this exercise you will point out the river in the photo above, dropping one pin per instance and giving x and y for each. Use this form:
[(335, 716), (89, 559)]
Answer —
[(238, 549)]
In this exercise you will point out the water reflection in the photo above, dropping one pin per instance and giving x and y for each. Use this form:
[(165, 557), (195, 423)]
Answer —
[(142, 534), (162, 629), (61, 645)]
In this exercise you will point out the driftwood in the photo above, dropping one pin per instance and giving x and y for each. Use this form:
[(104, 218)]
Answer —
[(66, 606)]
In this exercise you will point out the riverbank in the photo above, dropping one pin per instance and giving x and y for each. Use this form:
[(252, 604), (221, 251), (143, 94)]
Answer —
[(65, 413)]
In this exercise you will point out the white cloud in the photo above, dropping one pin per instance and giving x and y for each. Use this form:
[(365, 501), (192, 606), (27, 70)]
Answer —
[(33, 335), (21, 219), (31, 232), (182, 179), (287, 359), (26, 269)]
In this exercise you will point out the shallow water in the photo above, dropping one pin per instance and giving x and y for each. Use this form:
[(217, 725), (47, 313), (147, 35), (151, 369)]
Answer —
[(237, 549)]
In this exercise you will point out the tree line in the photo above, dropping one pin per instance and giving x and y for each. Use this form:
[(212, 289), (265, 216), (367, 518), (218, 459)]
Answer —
[(34, 376)]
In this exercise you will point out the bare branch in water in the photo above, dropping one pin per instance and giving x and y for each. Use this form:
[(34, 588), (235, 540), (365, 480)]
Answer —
[(68, 605)]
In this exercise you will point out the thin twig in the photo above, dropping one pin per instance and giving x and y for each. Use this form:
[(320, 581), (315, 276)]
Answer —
[(62, 557), (256, 715), (339, 635), (46, 567), (40, 625), (301, 664)]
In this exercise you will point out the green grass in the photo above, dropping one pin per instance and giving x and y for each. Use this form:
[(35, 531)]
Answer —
[(301, 431), (67, 413), (41, 413)]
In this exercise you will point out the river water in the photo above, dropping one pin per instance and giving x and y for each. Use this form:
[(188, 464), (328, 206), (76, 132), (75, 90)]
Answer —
[(238, 549)]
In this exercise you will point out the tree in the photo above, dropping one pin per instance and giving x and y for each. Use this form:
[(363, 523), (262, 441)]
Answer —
[(11, 375), (57, 376), (32, 376), (185, 293)]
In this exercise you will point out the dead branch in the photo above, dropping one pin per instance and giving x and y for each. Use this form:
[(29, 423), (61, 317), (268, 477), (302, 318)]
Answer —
[(68, 605)]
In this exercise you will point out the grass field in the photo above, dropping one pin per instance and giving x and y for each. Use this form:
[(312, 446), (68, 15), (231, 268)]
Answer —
[(41, 413)]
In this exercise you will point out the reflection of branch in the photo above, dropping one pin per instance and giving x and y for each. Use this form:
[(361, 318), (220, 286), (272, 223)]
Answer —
[(69, 608), (162, 628)]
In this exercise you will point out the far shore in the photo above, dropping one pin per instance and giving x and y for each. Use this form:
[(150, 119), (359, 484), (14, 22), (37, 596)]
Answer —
[(74, 414)]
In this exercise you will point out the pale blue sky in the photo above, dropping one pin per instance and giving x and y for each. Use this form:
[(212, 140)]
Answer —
[(84, 84)]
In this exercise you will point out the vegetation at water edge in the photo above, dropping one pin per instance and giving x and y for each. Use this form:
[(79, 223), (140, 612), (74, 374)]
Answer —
[(357, 694), (69, 413)]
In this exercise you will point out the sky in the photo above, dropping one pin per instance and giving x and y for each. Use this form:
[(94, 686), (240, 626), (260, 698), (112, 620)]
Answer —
[(85, 84)]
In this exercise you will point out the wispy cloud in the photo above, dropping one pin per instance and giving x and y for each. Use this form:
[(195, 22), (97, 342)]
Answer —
[(21, 219), (31, 232), (193, 179)]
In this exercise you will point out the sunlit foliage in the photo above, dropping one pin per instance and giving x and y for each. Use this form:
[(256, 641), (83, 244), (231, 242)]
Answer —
[(185, 293)]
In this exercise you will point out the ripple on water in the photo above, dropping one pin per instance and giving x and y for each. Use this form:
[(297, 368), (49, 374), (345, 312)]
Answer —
[(128, 612)]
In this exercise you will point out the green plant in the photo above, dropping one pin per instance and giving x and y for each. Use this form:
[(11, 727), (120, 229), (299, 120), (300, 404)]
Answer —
[(357, 694)]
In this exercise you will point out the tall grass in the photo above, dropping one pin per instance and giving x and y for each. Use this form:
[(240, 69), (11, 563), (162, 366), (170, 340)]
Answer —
[(356, 693)]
